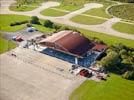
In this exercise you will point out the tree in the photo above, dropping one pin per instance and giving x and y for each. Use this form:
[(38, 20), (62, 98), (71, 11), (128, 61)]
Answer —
[(128, 75), (35, 20), (110, 61), (48, 23), (56, 27)]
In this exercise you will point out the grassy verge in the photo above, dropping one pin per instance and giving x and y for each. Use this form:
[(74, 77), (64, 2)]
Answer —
[(123, 11), (53, 13), (123, 27), (87, 20), (6, 20), (115, 88), (6, 45)]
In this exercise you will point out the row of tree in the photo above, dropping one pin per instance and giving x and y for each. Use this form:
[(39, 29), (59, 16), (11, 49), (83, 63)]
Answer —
[(120, 60)]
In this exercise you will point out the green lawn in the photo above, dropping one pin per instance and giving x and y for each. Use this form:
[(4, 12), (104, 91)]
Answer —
[(6, 45), (25, 6), (5, 21), (44, 29), (125, 11), (53, 13), (123, 27), (115, 88), (87, 20), (68, 7), (110, 40), (101, 12)]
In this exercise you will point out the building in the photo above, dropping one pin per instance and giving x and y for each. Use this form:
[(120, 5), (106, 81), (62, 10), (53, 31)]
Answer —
[(73, 44)]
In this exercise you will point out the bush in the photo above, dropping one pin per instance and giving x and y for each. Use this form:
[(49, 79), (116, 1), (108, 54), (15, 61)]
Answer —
[(56, 27), (29, 25), (128, 75), (48, 23), (19, 23), (35, 20)]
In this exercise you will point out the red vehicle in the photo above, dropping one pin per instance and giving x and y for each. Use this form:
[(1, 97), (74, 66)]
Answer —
[(19, 39), (84, 72)]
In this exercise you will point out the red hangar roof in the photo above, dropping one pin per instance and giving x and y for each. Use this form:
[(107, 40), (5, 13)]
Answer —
[(69, 42)]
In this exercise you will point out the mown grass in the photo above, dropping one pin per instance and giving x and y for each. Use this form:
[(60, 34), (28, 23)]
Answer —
[(43, 29), (123, 27), (6, 20), (27, 7), (108, 39), (115, 88), (125, 11), (101, 12), (87, 20), (6, 45), (69, 7), (21, 6), (53, 13)]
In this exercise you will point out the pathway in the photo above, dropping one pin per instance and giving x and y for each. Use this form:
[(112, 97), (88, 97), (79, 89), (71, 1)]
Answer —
[(102, 28)]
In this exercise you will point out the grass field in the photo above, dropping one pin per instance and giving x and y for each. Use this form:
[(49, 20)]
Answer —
[(110, 40), (101, 12), (115, 88), (87, 20), (123, 27), (6, 45), (5, 21), (25, 6), (125, 11), (53, 13), (69, 7), (44, 29)]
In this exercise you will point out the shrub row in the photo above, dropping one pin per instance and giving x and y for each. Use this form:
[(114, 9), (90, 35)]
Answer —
[(19, 23)]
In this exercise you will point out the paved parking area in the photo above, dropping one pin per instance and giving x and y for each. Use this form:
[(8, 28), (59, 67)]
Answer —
[(35, 76)]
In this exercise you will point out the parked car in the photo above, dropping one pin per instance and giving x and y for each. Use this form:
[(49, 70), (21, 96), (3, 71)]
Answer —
[(84, 72), (17, 38), (31, 29)]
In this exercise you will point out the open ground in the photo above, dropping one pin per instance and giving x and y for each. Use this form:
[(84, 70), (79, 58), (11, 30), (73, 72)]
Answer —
[(32, 76)]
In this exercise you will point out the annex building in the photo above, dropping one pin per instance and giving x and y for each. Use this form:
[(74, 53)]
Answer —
[(72, 47)]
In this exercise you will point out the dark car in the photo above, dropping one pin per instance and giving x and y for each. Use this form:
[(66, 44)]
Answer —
[(84, 72)]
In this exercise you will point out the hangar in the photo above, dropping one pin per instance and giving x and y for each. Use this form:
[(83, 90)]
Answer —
[(73, 47)]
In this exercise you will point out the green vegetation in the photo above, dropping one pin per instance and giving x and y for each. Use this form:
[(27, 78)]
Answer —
[(110, 40), (69, 7), (119, 60), (25, 5), (6, 20), (128, 1), (87, 20), (43, 29), (125, 11), (6, 45), (53, 13), (101, 12), (123, 27), (115, 88)]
